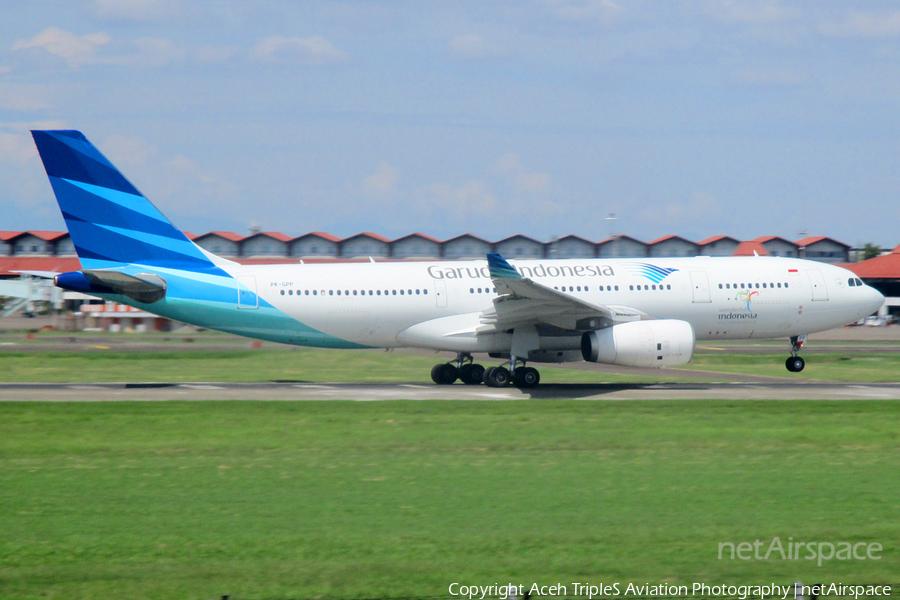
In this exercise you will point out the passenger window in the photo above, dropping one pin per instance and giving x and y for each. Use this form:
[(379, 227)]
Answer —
[(668, 287), (764, 286), (617, 288), (425, 292), (631, 287), (785, 285), (654, 287), (720, 286)]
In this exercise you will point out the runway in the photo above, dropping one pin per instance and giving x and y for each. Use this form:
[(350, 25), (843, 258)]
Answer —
[(292, 391)]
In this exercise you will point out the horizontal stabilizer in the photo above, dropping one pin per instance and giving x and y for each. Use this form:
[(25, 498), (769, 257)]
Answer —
[(146, 288)]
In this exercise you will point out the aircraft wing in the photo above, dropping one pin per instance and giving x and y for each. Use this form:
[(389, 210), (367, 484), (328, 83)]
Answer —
[(523, 301)]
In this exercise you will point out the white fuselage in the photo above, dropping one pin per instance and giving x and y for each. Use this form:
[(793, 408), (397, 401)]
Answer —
[(438, 304)]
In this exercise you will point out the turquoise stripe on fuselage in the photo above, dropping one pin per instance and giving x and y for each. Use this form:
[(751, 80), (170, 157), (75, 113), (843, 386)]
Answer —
[(211, 301)]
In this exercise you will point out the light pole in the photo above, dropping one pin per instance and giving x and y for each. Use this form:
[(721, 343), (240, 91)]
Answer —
[(612, 231)]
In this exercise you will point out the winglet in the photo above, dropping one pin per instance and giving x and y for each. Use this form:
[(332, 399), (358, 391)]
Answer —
[(500, 269)]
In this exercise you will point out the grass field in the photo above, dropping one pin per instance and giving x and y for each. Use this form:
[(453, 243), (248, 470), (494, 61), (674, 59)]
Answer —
[(387, 499), (278, 363)]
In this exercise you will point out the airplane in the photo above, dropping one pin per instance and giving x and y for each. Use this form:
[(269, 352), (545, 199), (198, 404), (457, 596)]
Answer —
[(641, 312)]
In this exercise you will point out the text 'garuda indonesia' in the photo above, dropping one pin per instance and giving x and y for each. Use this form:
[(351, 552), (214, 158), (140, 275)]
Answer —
[(539, 270)]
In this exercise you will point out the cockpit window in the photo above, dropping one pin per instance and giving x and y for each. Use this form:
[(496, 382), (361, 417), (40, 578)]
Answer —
[(859, 282), (852, 282)]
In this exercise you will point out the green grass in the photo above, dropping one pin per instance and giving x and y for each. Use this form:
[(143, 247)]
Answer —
[(849, 366), (276, 364), (98, 364), (363, 500)]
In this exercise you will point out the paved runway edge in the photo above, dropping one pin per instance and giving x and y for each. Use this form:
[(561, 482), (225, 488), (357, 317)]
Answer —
[(299, 391)]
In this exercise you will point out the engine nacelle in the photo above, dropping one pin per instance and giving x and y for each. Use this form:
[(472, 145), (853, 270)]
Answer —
[(659, 343)]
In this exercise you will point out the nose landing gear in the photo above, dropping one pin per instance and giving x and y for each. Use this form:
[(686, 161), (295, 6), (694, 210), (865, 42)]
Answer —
[(795, 363)]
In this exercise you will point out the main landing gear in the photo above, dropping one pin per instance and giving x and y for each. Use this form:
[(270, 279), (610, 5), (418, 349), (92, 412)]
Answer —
[(795, 363), (471, 373), (465, 369)]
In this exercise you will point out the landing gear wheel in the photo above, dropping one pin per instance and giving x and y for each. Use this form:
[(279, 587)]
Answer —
[(471, 374), (497, 377), (526, 377), (444, 374), (794, 364)]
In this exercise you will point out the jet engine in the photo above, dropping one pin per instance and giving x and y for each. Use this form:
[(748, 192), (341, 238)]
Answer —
[(658, 343)]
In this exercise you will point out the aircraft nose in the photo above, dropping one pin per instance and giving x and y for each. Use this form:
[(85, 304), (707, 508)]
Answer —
[(877, 299)]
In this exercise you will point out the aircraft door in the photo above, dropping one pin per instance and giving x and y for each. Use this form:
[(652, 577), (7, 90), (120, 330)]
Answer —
[(817, 282), (700, 286), (440, 293), (247, 297)]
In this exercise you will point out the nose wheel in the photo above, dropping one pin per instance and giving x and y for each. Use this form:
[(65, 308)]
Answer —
[(795, 363)]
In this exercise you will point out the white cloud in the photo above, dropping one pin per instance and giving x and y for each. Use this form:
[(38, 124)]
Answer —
[(472, 197), (383, 182), (153, 52), (314, 50), (869, 25), (521, 179), (25, 97), (16, 148), (128, 150), (135, 10), (76, 50), (99, 48), (473, 46)]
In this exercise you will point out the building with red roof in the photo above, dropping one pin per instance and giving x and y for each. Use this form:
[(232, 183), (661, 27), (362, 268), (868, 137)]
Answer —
[(750, 248), (671, 246), (778, 246), (622, 246), (572, 246), (824, 249), (465, 246), (718, 245), (222, 243), (314, 244), (265, 243), (365, 244), (415, 245)]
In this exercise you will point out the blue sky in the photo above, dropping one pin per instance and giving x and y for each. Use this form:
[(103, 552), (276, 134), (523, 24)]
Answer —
[(688, 117)]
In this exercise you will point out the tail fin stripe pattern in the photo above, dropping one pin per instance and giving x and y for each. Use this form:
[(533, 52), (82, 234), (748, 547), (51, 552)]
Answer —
[(93, 208), (67, 156), (137, 204), (111, 223)]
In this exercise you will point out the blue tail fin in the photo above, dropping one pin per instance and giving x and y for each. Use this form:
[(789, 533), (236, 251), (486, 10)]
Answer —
[(110, 221)]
